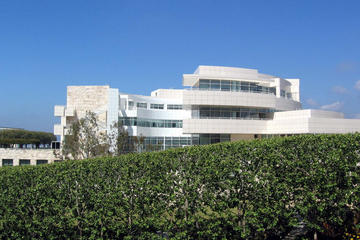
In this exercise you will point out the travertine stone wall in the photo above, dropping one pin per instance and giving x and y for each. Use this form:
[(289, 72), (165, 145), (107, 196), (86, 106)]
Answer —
[(88, 98), (30, 154), (237, 137)]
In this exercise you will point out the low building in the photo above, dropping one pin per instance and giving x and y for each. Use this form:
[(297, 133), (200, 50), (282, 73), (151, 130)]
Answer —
[(217, 104), (21, 147), (21, 156)]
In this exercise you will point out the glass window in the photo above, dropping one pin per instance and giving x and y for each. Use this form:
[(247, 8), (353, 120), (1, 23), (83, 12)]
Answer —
[(24, 162), (282, 93), (141, 105), (174, 106), (39, 162), (7, 162), (131, 105), (237, 86), (204, 84), (254, 115), (225, 85), (215, 84), (232, 113), (245, 86), (176, 141), (160, 123), (156, 106), (253, 87), (244, 115), (272, 90)]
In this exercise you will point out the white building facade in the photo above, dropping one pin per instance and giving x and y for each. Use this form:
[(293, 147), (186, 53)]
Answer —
[(217, 104)]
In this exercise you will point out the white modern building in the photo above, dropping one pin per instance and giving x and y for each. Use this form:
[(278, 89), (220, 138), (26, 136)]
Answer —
[(217, 104)]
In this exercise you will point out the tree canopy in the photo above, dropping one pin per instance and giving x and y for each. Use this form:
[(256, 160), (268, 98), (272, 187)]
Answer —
[(20, 136), (87, 139)]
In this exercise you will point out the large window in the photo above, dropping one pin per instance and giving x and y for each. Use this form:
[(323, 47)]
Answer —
[(213, 138), (174, 106), (7, 162), (232, 113), (282, 93), (161, 143), (24, 162), (141, 105), (235, 86), (131, 105), (155, 123), (39, 162), (156, 106)]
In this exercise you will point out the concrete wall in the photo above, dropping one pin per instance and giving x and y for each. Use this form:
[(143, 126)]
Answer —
[(220, 98), (224, 126), (290, 122)]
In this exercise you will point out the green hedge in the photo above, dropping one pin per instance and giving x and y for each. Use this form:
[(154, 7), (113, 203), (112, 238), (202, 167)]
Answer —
[(258, 189), (19, 136)]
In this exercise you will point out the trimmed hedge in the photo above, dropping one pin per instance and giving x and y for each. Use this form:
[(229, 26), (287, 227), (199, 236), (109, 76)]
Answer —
[(260, 189)]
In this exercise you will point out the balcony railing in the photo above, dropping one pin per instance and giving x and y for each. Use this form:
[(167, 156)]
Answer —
[(231, 118), (230, 90)]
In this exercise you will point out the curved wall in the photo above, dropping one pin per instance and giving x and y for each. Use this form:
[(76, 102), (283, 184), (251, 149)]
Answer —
[(219, 98)]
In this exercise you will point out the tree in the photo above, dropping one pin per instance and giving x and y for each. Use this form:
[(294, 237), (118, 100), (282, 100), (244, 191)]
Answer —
[(85, 139)]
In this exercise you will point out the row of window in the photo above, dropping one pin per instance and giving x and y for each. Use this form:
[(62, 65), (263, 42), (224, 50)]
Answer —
[(238, 86), (234, 86), (162, 143), (233, 113), (174, 106), (144, 105), (213, 138), (155, 123), (156, 106), (10, 162), (53, 145)]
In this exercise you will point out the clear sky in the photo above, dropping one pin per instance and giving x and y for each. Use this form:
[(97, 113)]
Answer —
[(139, 46)]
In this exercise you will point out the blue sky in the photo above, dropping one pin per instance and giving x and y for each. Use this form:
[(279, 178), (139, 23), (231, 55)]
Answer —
[(139, 46)]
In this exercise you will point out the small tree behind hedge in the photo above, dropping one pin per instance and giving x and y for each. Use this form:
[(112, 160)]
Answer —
[(87, 139)]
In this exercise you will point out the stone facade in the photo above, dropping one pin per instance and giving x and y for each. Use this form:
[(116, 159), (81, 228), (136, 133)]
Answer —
[(26, 154), (79, 100), (88, 98)]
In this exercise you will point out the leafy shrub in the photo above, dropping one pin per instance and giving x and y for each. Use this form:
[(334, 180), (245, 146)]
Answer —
[(260, 189)]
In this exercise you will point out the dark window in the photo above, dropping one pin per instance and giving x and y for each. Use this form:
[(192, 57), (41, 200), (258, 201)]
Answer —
[(131, 105), (156, 106), (174, 106), (7, 162), (39, 162), (24, 162), (55, 145), (141, 105)]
